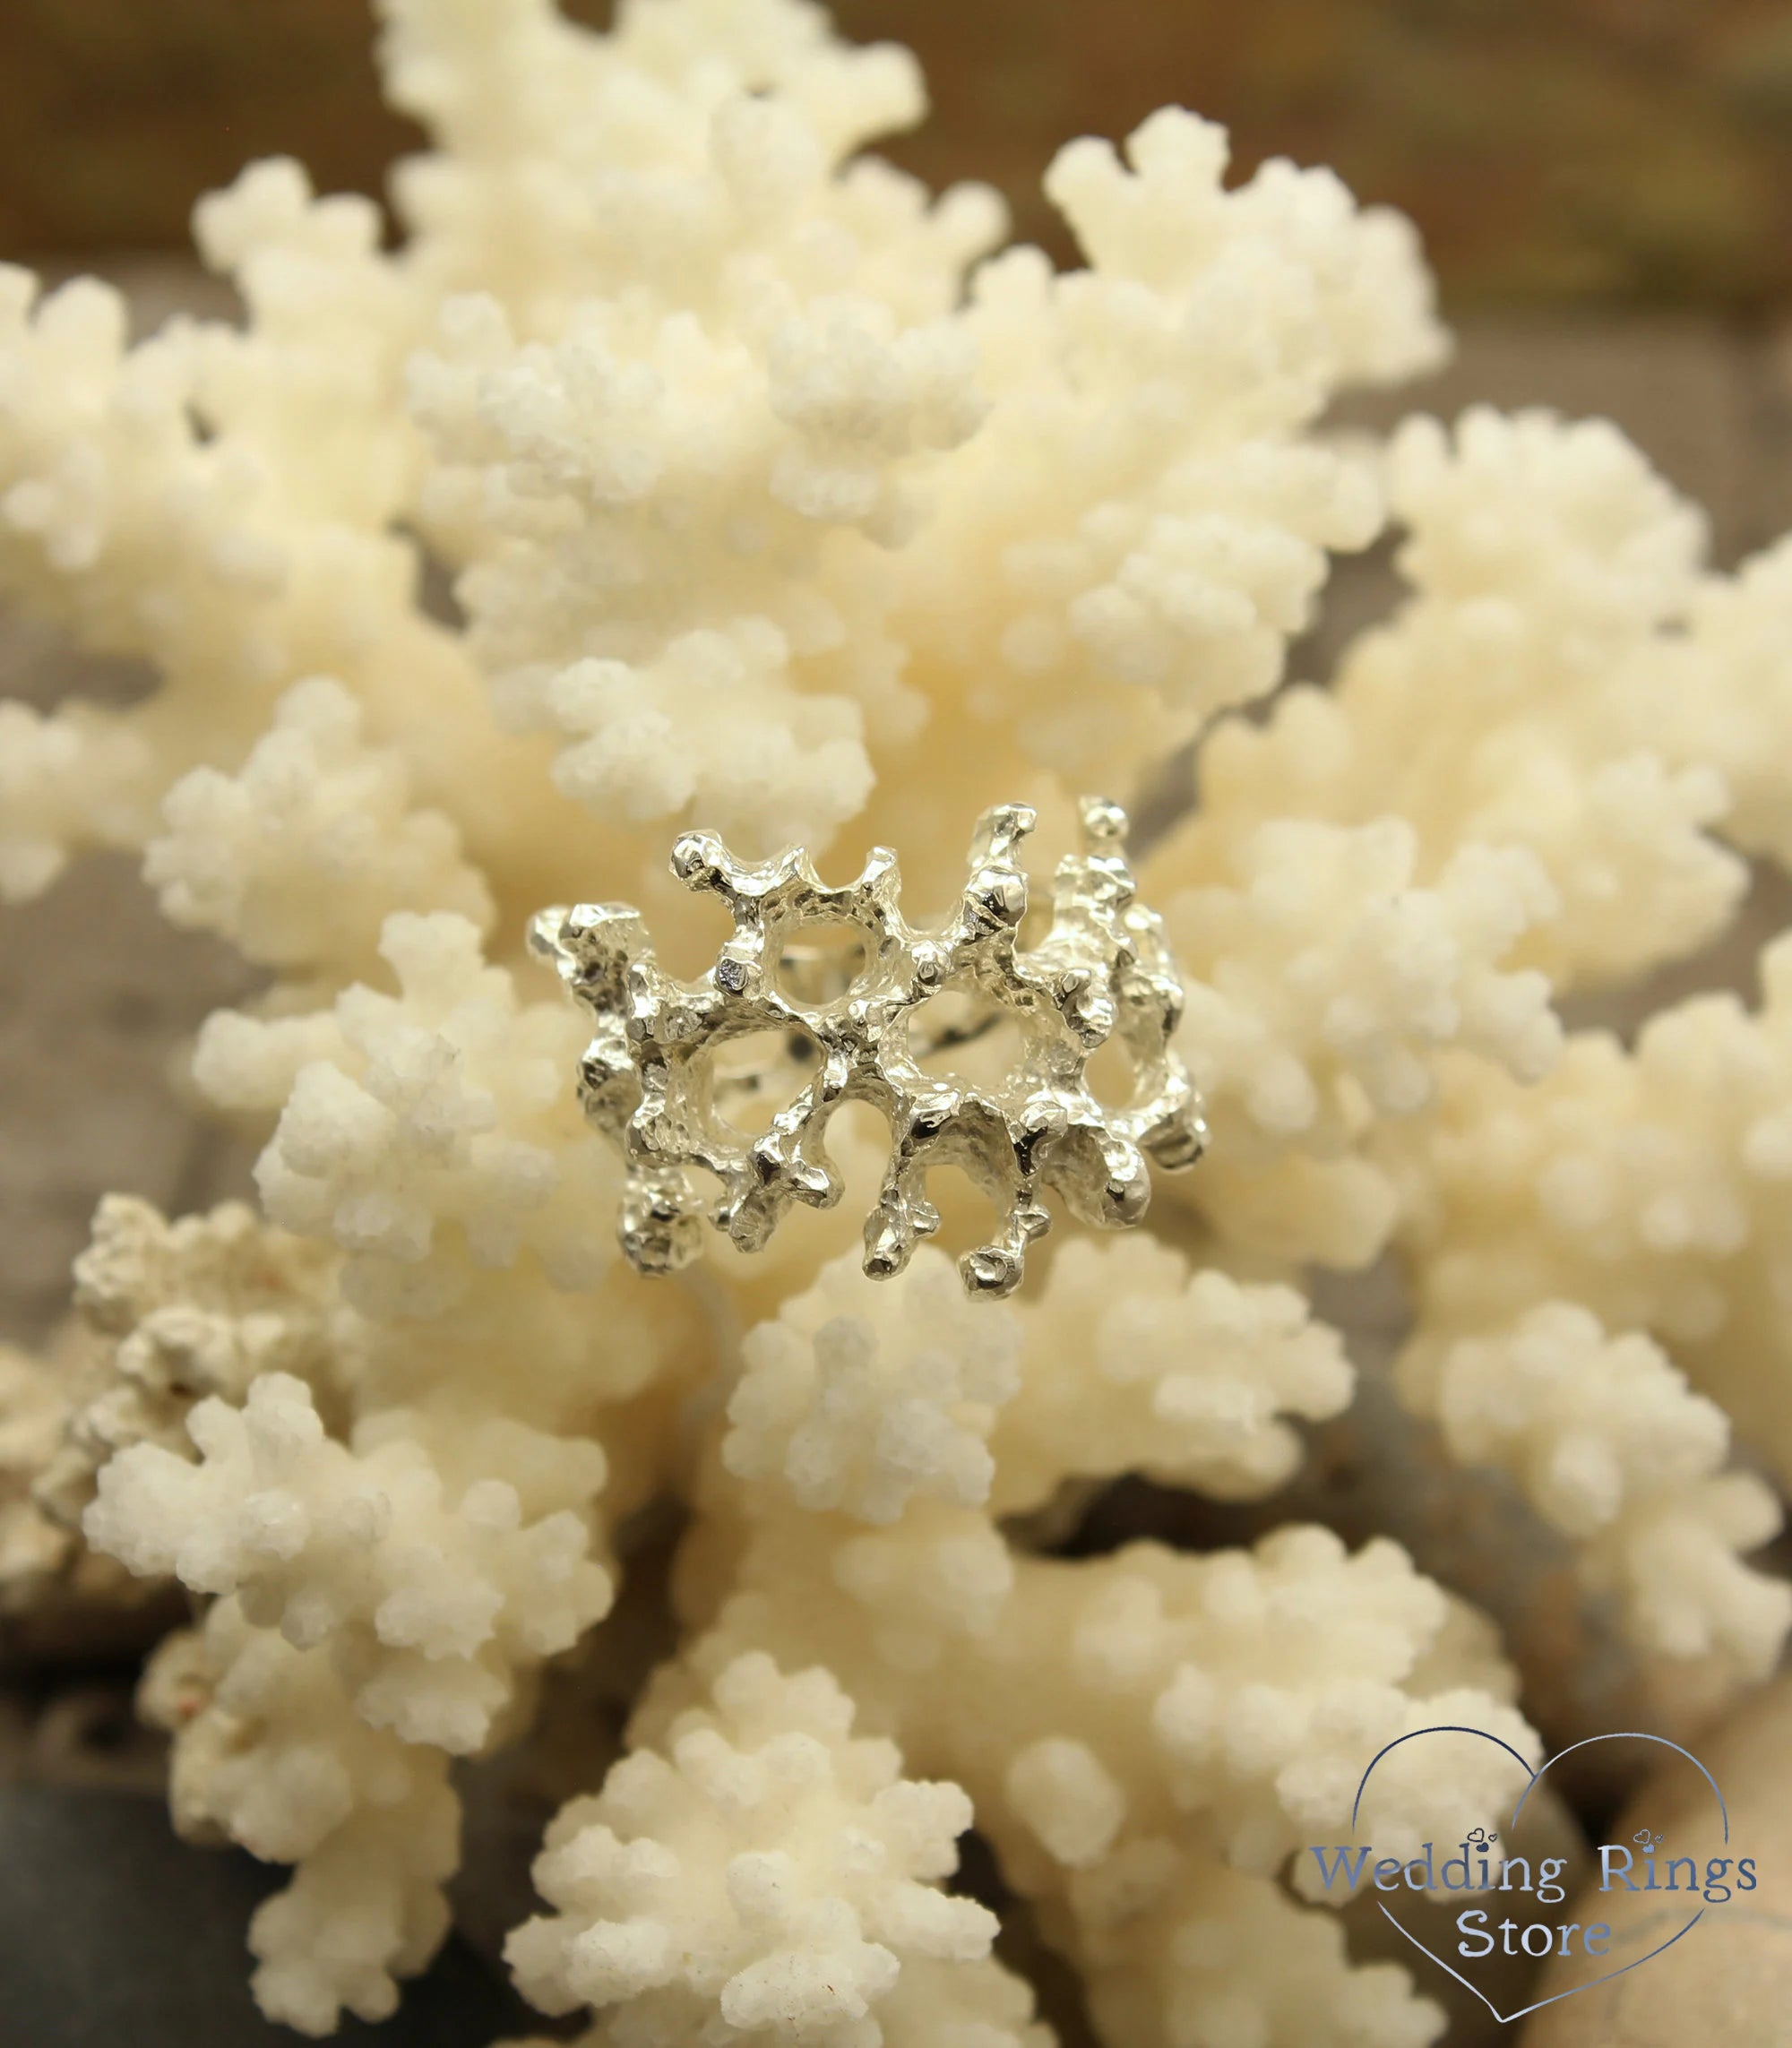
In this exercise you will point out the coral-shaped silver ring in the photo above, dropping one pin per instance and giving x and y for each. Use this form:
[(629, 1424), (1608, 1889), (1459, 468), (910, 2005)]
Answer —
[(1103, 970)]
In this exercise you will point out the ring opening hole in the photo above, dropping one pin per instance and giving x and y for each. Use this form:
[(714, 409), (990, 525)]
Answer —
[(962, 1036), (689, 926), (968, 1216), (760, 1073), (1111, 1076), (819, 963)]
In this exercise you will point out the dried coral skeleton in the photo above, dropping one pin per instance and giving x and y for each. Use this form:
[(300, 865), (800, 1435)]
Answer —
[(783, 513)]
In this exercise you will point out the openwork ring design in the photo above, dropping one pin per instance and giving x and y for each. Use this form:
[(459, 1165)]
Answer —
[(648, 1078)]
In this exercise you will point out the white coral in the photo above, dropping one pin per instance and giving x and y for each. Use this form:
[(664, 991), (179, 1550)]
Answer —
[(768, 1873), (1721, 696), (1244, 1691), (769, 504), (771, 767), (270, 1752), (121, 517), (77, 777), (1324, 980), (860, 1396), (1652, 1186), (718, 135), (653, 490), (300, 856), (1284, 1671), (1174, 1953), (1327, 974), (1516, 699), (435, 1587), (179, 1312), (1134, 1363), (218, 501), (1129, 544), (444, 1113), (1614, 1449)]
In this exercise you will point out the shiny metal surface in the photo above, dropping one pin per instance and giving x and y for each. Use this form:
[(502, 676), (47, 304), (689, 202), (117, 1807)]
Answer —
[(1102, 971)]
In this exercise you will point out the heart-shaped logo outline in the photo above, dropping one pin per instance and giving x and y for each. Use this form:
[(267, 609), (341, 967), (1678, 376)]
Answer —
[(1532, 1777)]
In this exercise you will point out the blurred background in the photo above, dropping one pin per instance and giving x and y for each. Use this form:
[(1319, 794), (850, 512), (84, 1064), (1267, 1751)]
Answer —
[(1554, 152)]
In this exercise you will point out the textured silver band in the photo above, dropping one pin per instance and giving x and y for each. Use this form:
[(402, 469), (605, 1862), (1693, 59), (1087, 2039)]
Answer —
[(1102, 971)]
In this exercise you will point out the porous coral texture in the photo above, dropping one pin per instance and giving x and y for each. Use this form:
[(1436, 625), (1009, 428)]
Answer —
[(269, 1752), (767, 1871), (432, 1591), (444, 1112), (863, 1405), (779, 505), (1137, 1361), (1516, 699), (299, 858), (1616, 1451), (175, 1312)]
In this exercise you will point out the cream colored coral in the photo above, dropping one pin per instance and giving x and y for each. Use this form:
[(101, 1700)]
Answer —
[(1513, 700), (724, 680), (1322, 980), (1616, 1451), (1581, 1253), (1268, 1740), (904, 1600), (769, 504), (1174, 1953), (119, 519), (1130, 543), (218, 502), (434, 1588), (1651, 1187), (861, 1397), (177, 1311), (1722, 696), (722, 134), (1134, 1363), (650, 483), (87, 1603), (75, 779), (935, 2005), (300, 857), (792, 398), (768, 1871), (425, 1129), (1235, 1688), (1327, 966), (1203, 1716), (270, 1753)]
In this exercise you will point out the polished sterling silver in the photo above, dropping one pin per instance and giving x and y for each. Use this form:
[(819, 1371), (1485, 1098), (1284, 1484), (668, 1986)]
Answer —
[(1103, 969)]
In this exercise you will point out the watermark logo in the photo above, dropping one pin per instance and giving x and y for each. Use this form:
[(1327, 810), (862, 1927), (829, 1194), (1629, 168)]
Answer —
[(1517, 1905)]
